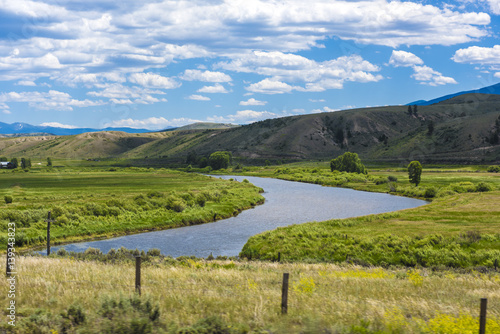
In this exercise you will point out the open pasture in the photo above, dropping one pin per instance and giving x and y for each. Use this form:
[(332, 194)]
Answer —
[(108, 202)]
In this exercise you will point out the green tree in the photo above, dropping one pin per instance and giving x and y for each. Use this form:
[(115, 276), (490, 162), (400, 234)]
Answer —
[(203, 162), (430, 128), (15, 162), (348, 162), (3, 159), (25, 163), (220, 159), (414, 172), (49, 162), (192, 158)]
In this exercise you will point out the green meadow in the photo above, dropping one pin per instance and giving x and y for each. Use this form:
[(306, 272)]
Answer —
[(90, 203)]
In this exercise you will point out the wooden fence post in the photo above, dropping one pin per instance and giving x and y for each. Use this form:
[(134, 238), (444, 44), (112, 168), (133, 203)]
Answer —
[(49, 220), (482, 316), (7, 271), (284, 294), (279, 257), (138, 274)]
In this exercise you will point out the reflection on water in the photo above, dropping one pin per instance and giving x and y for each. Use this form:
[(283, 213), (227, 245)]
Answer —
[(286, 203)]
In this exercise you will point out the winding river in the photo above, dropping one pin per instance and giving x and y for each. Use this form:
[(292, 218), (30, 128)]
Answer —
[(286, 203)]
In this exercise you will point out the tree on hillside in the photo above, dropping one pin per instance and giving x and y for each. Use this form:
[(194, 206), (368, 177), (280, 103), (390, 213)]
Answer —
[(15, 162), (192, 158), (430, 127), (49, 162), (4, 159), (414, 172), (348, 162), (220, 159)]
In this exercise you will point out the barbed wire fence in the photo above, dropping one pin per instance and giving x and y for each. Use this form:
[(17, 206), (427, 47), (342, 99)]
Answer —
[(274, 288)]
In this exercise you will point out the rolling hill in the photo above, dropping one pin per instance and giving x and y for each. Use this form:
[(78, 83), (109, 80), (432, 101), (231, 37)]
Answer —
[(463, 129)]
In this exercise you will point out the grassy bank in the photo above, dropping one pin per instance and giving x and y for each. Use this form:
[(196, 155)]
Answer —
[(460, 228), (198, 296), (460, 231), (87, 204)]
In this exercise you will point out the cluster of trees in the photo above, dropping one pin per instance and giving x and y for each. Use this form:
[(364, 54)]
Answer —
[(351, 163), (25, 162), (216, 160), (412, 110), (348, 162)]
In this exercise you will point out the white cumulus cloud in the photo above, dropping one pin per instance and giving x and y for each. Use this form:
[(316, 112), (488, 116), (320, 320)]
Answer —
[(199, 98), (151, 123), (153, 81), (206, 76), (217, 88), (58, 125), (268, 86), (243, 117), (253, 102), (428, 76), (403, 58), (478, 55)]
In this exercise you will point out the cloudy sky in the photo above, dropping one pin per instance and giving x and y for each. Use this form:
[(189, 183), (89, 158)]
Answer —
[(159, 63)]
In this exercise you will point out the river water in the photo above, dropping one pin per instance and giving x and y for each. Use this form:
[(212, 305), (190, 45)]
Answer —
[(286, 203)]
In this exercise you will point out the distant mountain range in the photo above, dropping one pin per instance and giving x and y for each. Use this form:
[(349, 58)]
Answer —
[(493, 89), (24, 128)]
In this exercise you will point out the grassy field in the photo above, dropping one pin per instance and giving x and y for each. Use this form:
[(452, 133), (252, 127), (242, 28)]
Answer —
[(68, 295), (91, 203)]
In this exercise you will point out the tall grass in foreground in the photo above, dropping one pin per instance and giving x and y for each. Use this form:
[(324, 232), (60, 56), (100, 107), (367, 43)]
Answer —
[(197, 296)]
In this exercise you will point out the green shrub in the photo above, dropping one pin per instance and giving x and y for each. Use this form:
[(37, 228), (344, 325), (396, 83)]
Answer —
[(8, 199), (62, 252), (483, 187), (75, 315), (92, 251), (392, 178), (493, 169), (62, 220), (154, 252), (463, 187), (430, 192)]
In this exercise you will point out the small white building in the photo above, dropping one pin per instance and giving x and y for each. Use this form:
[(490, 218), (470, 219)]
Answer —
[(6, 164)]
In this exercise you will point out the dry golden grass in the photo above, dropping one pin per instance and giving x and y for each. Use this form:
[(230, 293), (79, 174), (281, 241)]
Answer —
[(248, 295)]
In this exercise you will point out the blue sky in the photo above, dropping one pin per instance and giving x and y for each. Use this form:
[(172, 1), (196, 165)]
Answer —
[(154, 64)]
